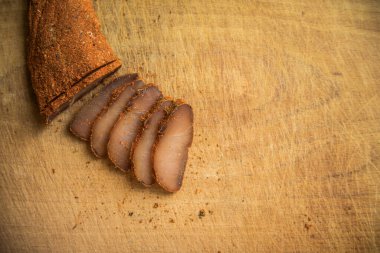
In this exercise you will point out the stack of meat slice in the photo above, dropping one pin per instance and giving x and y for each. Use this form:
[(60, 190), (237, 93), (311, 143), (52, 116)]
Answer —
[(139, 129)]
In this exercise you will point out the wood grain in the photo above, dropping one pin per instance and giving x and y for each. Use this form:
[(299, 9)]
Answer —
[(287, 133)]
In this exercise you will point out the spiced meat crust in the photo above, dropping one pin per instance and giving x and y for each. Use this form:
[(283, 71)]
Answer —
[(67, 53)]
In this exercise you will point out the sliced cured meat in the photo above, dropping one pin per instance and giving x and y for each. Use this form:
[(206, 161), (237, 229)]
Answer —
[(103, 124), (171, 148), (129, 124), (142, 149), (83, 120)]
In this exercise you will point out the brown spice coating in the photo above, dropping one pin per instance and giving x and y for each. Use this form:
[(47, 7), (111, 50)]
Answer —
[(167, 109), (67, 53), (114, 96), (161, 131), (112, 143), (160, 134), (118, 101), (81, 125)]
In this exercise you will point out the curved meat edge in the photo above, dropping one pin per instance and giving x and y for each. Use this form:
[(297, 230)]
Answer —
[(103, 124), (142, 147), (129, 124), (170, 176), (81, 124)]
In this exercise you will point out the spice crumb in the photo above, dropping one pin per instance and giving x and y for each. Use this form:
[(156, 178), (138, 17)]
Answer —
[(155, 205), (130, 213), (201, 214), (307, 226), (171, 220)]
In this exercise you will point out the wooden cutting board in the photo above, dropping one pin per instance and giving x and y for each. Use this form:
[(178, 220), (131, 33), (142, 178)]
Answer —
[(287, 133)]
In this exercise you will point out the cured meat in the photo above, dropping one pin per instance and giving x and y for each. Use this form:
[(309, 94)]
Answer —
[(104, 122), (83, 120), (129, 124), (142, 149), (171, 148), (139, 129), (67, 53)]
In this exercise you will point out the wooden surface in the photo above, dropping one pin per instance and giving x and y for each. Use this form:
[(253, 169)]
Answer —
[(287, 133)]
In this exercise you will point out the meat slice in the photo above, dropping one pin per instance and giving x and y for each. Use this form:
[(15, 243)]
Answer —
[(103, 124), (129, 124), (142, 148), (83, 120), (171, 148)]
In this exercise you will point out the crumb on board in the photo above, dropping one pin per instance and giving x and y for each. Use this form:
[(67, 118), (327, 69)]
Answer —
[(307, 226), (155, 205), (201, 214)]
